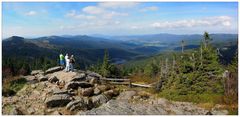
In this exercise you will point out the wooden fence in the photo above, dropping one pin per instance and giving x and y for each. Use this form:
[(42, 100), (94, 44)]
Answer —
[(124, 82)]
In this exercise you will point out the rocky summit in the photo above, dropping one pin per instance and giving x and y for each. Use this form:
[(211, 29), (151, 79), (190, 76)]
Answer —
[(56, 92)]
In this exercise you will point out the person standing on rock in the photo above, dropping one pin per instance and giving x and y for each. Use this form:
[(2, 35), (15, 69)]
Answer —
[(62, 61), (72, 61), (67, 62)]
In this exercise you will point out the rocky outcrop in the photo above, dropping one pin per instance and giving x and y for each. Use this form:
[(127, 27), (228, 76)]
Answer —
[(76, 85), (54, 69), (103, 88), (111, 93), (100, 99), (123, 107), (53, 79), (58, 92), (42, 78), (126, 95), (93, 74), (79, 104), (31, 79), (82, 93), (35, 72), (96, 91), (160, 106), (58, 100), (87, 91), (79, 77)]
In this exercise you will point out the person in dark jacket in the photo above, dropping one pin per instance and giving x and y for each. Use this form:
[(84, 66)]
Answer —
[(72, 61)]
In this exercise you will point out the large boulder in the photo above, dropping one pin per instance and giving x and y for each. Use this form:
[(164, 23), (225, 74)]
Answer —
[(31, 79), (60, 83), (103, 88), (79, 77), (112, 107), (53, 79), (96, 91), (59, 92), (53, 69), (126, 95), (35, 72), (79, 104), (93, 74), (42, 78), (99, 99), (87, 91), (111, 93), (94, 81), (76, 85), (58, 100)]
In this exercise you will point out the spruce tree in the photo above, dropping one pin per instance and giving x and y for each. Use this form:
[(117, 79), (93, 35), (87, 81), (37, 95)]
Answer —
[(206, 39), (105, 66), (151, 69)]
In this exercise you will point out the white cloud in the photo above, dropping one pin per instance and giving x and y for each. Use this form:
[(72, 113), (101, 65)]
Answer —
[(115, 5), (135, 27), (210, 21), (89, 17), (111, 14), (90, 25), (62, 27), (73, 14), (31, 13), (226, 23), (102, 23), (103, 12), (93, 10), (151, 8), (117, 22)]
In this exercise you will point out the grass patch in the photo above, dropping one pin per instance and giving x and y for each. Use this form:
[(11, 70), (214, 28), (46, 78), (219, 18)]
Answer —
[(12, 85), (207, 101), (195, 98)]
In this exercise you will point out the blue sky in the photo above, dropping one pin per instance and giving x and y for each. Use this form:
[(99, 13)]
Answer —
[(32, 19)]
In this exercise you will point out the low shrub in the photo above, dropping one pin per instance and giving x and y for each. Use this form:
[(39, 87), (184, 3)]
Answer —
[(12, 85)]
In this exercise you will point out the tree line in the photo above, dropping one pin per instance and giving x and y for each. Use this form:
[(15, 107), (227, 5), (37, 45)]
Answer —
[(197, 71)]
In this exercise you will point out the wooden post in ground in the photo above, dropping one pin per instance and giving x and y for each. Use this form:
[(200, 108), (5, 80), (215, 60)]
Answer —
[(130, 83)]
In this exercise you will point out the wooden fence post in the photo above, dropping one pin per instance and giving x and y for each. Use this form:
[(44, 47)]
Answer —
[(130, 83)]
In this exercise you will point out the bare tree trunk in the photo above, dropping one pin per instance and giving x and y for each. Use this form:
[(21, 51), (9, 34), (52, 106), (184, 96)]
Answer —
[(182, 43), (160, 80), (194, 61), (166, 67)]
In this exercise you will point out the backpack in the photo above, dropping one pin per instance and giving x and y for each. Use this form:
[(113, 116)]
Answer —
[(72, 60)]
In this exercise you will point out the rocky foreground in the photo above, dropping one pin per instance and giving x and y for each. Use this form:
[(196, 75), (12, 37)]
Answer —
[(56, 92)]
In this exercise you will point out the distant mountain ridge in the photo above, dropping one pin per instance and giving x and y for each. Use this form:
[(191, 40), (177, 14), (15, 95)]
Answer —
[(90, 49), (87, 50)]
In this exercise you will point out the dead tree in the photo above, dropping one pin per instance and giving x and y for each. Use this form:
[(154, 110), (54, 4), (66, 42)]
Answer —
[(182, 43), (218, 52), (160, 79)]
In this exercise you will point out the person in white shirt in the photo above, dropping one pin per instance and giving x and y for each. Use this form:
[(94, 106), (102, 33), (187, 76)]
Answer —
[(67, 65)]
